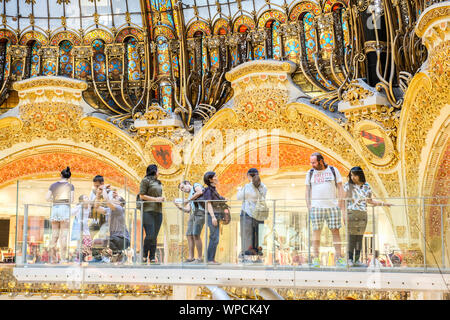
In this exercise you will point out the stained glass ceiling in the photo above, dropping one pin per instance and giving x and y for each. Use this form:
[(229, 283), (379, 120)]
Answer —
[(79, 14), (86, 14), (209, 9)]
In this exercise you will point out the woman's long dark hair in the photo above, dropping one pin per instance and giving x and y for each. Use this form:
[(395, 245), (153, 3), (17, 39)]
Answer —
[(356, 171), (207, 177), (151, 172)]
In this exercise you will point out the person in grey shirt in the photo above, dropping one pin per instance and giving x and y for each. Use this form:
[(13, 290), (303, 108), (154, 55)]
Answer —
[(250, 194), (119, 238)]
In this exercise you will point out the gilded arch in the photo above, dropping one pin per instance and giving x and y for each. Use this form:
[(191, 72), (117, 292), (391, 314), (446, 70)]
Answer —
[(33, 35), (7, 34), (129, 31), (198, 26), (221, 23), (98, 34), (304, 6), (50, 160), (65, 35), (165, 31), (329, 5), (271, 15), (243, 20), (52, 117)]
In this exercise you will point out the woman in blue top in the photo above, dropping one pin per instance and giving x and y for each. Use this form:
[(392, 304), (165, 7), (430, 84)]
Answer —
[(359, 193)]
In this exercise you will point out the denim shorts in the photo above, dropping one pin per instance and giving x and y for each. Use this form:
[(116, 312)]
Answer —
[(195, 225), (60, 212)]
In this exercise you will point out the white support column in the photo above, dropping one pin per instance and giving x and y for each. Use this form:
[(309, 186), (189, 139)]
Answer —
[(184, 292), (427, 295)]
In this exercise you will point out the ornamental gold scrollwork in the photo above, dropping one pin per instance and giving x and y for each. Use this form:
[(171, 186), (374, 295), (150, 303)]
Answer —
[(425, 100), (429, 17), (261, 66), (355, 94)]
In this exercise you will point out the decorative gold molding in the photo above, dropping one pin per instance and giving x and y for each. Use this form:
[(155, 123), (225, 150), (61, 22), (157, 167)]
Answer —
[(432, 14), (260, 66), (49, 81), (427, 95)]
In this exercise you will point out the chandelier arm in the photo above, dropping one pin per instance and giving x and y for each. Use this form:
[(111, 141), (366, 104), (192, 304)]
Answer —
[(146, 77), (122, 83), (98, 93), (210, 91), (333, 72), (109, 86)]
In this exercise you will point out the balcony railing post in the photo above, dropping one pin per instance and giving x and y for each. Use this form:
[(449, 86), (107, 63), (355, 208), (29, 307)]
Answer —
[(80, 236), (308, 222), (347, 236), (273, 234), (17, 222), (373, 236), (142, 232), (442, 237), (424, 232), (25, 234), (205, 249), (182, 227), (134, 234)]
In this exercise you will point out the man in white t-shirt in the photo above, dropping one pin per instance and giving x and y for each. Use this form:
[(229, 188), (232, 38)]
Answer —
[(324, 198)]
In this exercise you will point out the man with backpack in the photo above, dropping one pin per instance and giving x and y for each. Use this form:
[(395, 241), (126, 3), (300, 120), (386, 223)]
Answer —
[(325, 200)]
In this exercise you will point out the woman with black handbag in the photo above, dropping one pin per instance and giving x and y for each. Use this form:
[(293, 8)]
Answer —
[(216, 211), (150, 194), (252, 194)]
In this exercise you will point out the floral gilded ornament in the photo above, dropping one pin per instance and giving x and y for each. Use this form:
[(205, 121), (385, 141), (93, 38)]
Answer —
[(304, 7), (98, 34), (33, 35), (331, 4), (164, 31), (271, 15), (65, 35), (441, 192), (198, 26), (243, 20), (221, 24), (129, 31), (6, 34)]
